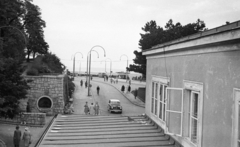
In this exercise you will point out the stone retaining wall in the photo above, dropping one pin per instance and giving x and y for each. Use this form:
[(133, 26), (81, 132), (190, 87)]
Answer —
[(31, 119), (48, 86)]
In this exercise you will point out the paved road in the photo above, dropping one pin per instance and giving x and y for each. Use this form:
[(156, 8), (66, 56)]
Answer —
[(106, 92)]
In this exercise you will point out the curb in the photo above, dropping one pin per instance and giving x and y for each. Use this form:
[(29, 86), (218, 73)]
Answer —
[(121, 93)]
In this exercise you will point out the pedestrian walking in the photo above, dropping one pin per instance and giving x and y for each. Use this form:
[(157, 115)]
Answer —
[(81, 83), (91, 109), (86, 108), (129, 82), (17, 137), (86, 84), (129, 89), (117, 81), (123, 88), (28, 109), (27, 137), (96, 108), (135, 93), (98, 89)]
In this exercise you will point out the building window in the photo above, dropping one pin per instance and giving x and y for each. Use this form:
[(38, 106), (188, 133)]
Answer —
[(174, 110), (162, 101), (193, 105), (236, 120), (152, 105), (193, 127), (156, 99)]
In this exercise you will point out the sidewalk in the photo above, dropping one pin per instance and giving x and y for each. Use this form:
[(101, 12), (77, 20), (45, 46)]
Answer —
[(129, 96)]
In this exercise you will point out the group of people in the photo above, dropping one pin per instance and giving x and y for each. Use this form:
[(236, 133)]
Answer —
[(26, 137), (93, 109), (135, 92), (128, 90), (68, 109)]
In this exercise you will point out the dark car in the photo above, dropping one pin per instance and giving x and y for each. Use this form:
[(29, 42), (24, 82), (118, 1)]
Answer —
[(114, 106)]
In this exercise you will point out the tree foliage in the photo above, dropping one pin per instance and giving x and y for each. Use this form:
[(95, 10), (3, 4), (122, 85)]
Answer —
[(53, 63), (18, 20), (154, 34), (34, 25)]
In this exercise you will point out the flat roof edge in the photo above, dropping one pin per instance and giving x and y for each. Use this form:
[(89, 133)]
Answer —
[(217, 30)]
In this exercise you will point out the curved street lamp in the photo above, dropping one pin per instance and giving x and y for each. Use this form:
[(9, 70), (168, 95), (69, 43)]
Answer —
[(127, 61), (90, 65), (105, 64), (110, 65), (87, 60), (18, 30), (74, 62)]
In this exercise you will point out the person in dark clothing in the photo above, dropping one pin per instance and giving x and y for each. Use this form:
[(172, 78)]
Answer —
[(129, 88), (17, 137), (123, 88), (81, 83), (135, 93), (98, 89), (86, 84), (28, 109)]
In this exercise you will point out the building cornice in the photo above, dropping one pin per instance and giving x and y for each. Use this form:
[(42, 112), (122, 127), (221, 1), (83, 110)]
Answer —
[(213, 37)]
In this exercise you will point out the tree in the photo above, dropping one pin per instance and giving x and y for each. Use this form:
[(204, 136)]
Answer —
[(34, 28), (12, 86), (154, 35), (53, 63), (13, 24)]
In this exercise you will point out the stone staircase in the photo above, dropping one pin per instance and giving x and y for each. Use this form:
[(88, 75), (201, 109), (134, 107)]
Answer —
[(104, 131)]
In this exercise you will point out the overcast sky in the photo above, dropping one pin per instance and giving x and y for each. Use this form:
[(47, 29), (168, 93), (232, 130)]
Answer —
[(77, 25)]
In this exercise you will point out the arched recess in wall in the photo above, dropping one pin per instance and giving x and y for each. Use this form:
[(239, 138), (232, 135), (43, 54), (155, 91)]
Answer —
[(44, 102)]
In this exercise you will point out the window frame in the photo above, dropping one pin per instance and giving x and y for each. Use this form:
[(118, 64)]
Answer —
[(161, 81), (162, 100), (191, 116), (194, 87), (170, 111), (236, 118)]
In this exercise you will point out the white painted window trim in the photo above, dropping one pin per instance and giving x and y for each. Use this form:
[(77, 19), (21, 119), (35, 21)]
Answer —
[(163, 102), (161, 81), (170, 111), (191, 106), (196, 87), (235, 118)]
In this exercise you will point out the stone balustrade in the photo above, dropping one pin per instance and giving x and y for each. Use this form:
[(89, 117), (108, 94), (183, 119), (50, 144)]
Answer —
[(30, 119)]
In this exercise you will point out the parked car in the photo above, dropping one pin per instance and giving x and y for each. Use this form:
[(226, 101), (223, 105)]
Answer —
[(114, 106)]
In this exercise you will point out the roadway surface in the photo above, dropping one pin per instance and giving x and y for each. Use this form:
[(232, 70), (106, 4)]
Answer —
[(106, 92)]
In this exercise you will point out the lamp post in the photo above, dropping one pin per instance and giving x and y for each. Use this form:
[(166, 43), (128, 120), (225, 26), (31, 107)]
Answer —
[(110, 65), (127, 60), (87, 60), (18, 30), (74, 62), (80, 69), (90, 65), (105, 65)]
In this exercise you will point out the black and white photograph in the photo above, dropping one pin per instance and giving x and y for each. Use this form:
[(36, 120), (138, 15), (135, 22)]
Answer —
[(119, 73)]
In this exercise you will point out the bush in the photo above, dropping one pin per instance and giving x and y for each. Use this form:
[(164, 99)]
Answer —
[(32, 72)]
